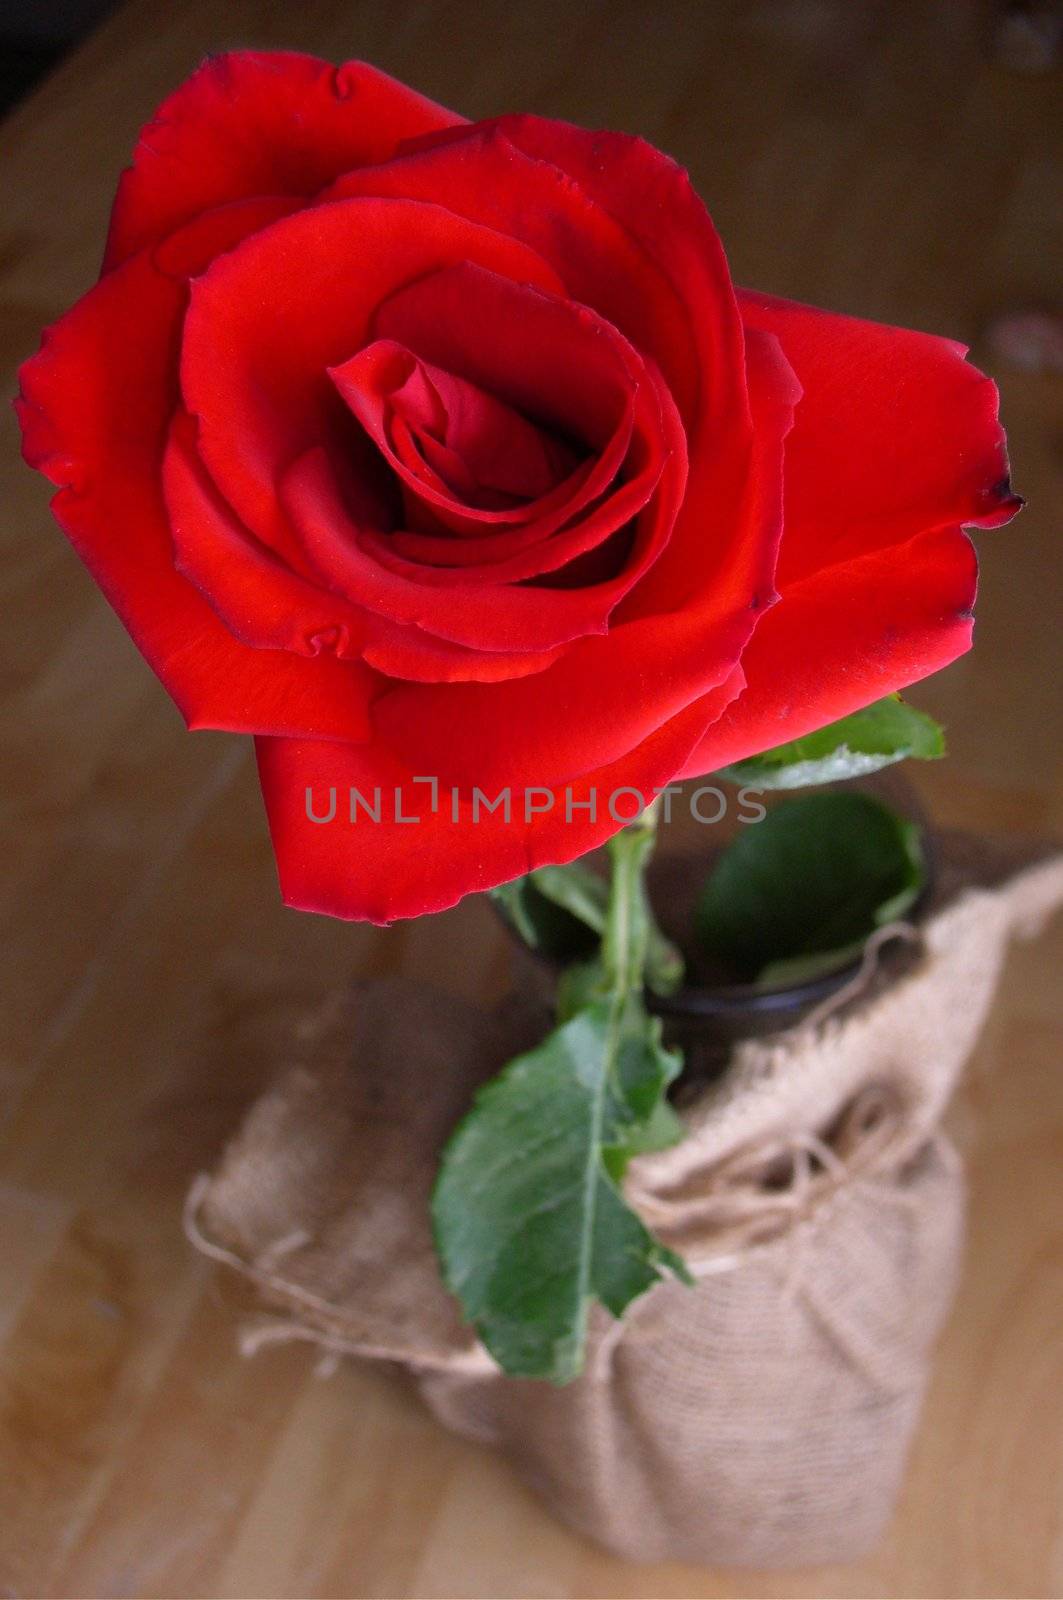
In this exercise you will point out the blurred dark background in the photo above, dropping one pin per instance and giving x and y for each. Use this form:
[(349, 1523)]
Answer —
[(35, 34), (1023, 35)]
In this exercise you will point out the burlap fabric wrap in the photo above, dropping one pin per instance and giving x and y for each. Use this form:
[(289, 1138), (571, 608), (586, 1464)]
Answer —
[(762, 1417)]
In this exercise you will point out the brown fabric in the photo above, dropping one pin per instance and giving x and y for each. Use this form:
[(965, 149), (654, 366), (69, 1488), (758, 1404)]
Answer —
[(760, 1418)]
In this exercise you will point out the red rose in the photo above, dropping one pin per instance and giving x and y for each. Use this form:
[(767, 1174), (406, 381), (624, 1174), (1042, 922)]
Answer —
[(428, 449)]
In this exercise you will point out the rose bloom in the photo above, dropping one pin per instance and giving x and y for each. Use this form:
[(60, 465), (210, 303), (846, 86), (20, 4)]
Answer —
[(425, 448)]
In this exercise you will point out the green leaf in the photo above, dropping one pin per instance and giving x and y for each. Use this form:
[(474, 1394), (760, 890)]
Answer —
[(577, 890), (660, 1131), (639, 1071), (880, 734), (510, 900), (579, 986), (555, 910), (797, 894), (543, 924), (530, 1222)]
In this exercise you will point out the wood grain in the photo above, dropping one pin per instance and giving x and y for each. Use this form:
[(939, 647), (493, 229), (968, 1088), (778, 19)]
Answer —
[(863, 155)]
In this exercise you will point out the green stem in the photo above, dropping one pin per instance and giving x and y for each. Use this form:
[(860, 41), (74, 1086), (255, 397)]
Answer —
[(634, 950), (624, 937)]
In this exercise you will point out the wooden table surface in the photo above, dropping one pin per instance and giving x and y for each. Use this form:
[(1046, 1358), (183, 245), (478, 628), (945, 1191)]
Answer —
[(863, 155)]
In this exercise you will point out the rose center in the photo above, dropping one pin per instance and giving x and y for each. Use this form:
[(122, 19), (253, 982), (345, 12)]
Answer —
[(482, 448), (452, 435)]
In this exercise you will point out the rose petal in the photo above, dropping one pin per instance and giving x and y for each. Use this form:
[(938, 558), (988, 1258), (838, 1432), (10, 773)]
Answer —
[(388, 869), (260, 599), (624, 227), (896, 433), (271, 608), (95, 407), (548, 357), (368, 382), (845, 636), (652, 198), (896, 441), (500, 450), (250, 123), (452, 604), (258, 384), (605, 695), (482, 175)]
